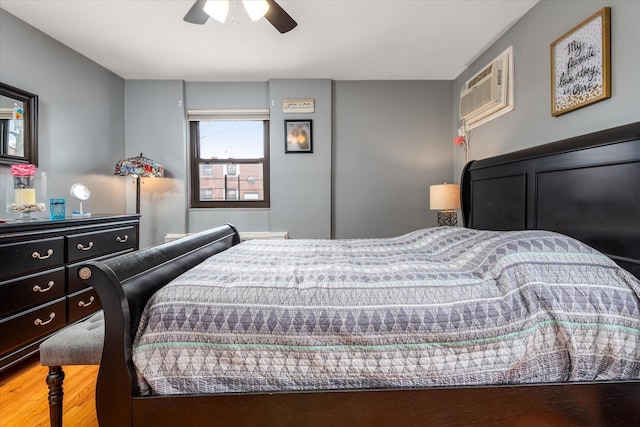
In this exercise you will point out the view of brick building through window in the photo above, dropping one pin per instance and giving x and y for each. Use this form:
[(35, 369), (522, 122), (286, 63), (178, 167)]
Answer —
[(231, 181)]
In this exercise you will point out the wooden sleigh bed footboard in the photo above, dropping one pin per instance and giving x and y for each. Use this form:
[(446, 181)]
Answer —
[(124, 285), (563, 187)]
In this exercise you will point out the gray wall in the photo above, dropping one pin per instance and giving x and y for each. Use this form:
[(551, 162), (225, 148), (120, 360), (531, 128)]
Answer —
[(392, 139), (531, 123), (156, 127), (81, 115), (301, 183)]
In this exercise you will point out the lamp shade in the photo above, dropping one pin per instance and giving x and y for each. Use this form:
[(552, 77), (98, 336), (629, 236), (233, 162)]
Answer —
[(139, 166), (217, 9), (444, 197), (256, 9)]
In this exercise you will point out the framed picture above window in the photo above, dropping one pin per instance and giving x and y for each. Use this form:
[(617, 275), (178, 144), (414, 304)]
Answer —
[(297, 136)]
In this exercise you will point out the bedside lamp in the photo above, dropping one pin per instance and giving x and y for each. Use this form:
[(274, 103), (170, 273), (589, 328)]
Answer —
[(139, 167), (445, 198)]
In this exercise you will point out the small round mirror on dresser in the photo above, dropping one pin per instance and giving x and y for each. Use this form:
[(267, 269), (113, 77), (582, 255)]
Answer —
[(80, 193)]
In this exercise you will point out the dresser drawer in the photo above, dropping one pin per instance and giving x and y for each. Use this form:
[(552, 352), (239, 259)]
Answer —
[(30, 256), (31, 290), (18, 331), (82, 304), (96, 243)]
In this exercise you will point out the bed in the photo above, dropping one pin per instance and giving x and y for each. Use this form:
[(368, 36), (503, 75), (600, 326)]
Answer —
[(520, 209)]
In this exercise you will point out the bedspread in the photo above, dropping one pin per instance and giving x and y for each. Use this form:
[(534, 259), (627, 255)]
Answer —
[(436, 307)]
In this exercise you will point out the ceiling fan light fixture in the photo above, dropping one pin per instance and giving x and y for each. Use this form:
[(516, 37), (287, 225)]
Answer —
[(217, 9), (256, 9), (202, 10)]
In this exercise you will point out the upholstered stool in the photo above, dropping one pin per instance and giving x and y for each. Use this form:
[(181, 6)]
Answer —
[(78, 344)]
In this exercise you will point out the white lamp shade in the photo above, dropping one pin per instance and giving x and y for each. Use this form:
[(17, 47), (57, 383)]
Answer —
[(256, 9), (444, 197), (217, 9)]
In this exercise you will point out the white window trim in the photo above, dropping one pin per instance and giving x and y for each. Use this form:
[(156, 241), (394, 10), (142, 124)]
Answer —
[(203, 115)]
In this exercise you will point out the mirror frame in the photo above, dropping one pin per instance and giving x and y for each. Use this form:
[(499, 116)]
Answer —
[(30, 110)]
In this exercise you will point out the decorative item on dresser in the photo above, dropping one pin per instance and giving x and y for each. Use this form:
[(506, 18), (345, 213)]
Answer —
[(39, 288), (81, 194), (27, 191)]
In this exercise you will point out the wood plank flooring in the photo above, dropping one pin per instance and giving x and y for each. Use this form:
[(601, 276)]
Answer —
[(23, 395)]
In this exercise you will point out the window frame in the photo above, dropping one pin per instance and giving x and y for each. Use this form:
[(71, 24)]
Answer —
[(195, 161)]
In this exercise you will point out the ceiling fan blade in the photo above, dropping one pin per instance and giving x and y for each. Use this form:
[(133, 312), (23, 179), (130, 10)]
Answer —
[(279, 18), (197, 15)]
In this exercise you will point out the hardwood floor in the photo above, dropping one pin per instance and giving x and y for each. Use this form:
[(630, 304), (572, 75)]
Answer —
[(23, 395)]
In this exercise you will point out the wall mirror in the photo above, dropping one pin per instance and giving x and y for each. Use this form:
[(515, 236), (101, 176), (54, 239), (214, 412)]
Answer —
[(18, 126)]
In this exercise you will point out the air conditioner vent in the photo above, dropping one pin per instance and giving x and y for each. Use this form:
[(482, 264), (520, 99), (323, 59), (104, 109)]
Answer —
[(482, 75), (486, 93)]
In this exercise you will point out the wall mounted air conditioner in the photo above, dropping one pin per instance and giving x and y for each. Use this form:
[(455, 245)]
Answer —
[(488, 92)]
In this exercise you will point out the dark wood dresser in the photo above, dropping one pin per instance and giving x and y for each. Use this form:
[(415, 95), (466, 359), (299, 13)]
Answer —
[(40, 291)]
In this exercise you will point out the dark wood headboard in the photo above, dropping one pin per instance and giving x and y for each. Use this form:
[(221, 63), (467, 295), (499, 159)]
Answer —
[(587, 187)]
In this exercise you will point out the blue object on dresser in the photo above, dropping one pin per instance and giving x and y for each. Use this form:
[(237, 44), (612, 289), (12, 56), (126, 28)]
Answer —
[(56, 209)]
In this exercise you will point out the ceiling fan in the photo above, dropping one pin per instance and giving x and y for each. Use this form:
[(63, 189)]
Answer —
[(218, 9)]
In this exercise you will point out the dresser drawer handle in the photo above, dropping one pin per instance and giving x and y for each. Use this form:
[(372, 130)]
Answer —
[(37, 288), (86, 304), (39, 322), (36, 255), (82, 248), (121, 239)]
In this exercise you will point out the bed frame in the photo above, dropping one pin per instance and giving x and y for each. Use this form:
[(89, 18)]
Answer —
[(587, 187)]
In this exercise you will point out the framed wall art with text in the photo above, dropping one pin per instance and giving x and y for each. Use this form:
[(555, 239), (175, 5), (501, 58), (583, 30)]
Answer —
[(581, 64)]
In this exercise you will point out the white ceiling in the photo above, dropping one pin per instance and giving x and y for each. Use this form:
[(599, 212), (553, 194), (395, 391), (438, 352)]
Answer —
[(334, 39)]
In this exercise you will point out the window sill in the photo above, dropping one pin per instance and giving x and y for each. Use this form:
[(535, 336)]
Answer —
[(227, 209)]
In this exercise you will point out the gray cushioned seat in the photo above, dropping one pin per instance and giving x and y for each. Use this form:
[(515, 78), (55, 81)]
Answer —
[(78, 344)]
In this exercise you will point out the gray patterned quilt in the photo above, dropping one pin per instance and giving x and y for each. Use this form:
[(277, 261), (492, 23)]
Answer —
[(436, 307)]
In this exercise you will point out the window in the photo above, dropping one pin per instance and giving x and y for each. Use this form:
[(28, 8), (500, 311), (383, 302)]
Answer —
[(229, 159), (207, 170), (206, 193)]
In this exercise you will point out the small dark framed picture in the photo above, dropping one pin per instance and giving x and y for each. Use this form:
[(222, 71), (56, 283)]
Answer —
[(297, 136)]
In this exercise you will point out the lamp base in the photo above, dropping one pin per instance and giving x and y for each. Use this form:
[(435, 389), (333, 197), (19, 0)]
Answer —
[(447, 218)]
